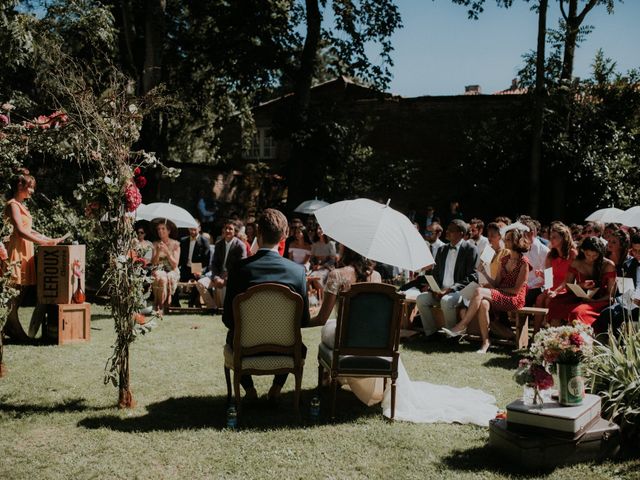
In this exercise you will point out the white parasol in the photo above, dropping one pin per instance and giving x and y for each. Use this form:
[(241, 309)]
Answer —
[(176, 214), (310, 206), (375, 231), (605, 215), (630, 217)]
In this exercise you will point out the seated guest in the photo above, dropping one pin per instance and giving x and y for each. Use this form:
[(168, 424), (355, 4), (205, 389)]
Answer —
[(430, 217), (323, 260), (503, 221), (300, 248), (591, 270), (228, 251), (537, 256), (455, 269), (609, 230), (495, 241), (263, 267), (193, 249), (295, 223), (250, 231), (476, 227), (618, 249), (626, 304), (432, 235), (576, 233), (593, 229), (506, 292), (561, 254), (142, 246), (166, 274)]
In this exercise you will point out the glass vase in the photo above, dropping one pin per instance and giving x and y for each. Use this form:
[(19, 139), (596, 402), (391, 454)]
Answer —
[(531, 396), (570, 384)]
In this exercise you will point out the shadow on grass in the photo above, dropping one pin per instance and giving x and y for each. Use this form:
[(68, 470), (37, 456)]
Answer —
[(438, 345), (69, 406), (508, 361), (185, 413)]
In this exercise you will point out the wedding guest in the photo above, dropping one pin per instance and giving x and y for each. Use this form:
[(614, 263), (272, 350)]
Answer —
[(166, 274), (323, 260), (454, 270), (194, 248), (506, 293), (476, 227), (20, 250), (143, 247), (537, 255), (626, 304), (293, 224), (430, 217), (561, 254), (432, 235), (496, 242), (576, 233), (609, 230), (593, 229), (503, 221), (618, 249), (300, 247), (591, 271)]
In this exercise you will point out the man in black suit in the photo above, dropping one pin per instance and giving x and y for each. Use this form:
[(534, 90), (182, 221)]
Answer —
[(193, 249), (228, 251), (455, 268), (263, 267), (625, 305)]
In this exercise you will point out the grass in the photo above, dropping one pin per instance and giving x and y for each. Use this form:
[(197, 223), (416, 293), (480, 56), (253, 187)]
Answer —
[(59, 421)]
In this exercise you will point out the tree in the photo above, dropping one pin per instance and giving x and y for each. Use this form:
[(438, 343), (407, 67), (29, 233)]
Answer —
[(358, 22)]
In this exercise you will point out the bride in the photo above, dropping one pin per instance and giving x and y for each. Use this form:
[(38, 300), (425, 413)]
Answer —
[(419, 402)]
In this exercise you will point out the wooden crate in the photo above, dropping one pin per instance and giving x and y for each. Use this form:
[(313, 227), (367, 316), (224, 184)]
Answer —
[(55, 279), (68, 323)]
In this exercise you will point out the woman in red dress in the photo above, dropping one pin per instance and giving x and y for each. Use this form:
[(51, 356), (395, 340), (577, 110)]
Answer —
[(507, 291), (591, 270), (561, 254)]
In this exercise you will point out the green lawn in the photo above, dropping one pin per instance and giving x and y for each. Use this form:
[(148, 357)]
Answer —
[(58, 420)]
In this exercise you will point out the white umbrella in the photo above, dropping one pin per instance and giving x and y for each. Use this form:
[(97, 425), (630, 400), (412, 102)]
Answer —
[(630, 217), (605, 215), (176, 214), (375, 231), (310, 206)]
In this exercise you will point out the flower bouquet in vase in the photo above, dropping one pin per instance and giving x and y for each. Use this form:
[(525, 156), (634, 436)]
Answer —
[(535, 378), (566, 348)]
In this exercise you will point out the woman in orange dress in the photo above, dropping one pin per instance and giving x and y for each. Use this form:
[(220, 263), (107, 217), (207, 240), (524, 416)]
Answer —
[(20, 249)]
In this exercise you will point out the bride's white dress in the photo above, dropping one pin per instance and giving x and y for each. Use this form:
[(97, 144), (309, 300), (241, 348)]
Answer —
[(420, 402)]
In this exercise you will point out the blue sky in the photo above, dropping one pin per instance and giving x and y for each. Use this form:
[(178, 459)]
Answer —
[(439, 50)]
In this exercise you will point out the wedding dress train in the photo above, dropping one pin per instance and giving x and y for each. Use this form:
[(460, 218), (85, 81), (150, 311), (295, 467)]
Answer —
[(417, 401)]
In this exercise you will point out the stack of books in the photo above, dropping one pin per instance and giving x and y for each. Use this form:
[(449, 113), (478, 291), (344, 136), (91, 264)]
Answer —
[(548, 435)]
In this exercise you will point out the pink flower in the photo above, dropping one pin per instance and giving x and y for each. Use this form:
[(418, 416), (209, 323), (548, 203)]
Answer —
[(576, 339), (59, 118), (4, 120), (3, 252), (132, 197), (43, 122), (140, 181)]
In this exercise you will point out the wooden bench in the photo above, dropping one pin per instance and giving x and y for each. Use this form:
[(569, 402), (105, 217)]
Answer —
[(187, 287)]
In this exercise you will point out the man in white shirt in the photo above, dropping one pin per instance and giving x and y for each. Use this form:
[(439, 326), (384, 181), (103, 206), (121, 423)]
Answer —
[(229, 250), (476, 227), (537, 256), (455, 269), (432, 235)]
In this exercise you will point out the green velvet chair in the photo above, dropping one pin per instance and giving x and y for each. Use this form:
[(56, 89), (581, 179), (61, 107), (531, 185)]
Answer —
[(366, 339), (266, 337)]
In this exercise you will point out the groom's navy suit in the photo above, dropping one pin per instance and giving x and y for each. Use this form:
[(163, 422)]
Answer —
[(266, 266)]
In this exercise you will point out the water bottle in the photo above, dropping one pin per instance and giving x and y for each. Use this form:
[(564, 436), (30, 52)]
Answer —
[(232, 417), (314, 410)]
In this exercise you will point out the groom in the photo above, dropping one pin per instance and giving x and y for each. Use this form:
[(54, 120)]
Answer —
[(265, 266)]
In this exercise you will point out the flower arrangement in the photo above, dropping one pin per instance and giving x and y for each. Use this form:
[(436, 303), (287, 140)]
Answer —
[(535, 375), (569, 344)]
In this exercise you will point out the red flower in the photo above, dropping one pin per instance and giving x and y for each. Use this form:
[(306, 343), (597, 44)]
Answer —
[(43, 122), (541, 377), (4, 120), (142, 261), (576, 339), (140, 181), (132, 197), (137, 171), (139, 318)]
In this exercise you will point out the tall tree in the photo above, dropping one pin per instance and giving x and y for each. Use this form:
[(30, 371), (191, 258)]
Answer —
[(357, 24)]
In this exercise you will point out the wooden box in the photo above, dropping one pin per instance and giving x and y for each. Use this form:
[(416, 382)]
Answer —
[(55, 278), (68, 323)]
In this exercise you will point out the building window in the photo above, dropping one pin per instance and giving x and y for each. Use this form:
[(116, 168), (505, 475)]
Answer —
[(263, 146)]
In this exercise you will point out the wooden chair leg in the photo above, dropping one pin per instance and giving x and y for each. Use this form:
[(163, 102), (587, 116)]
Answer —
[(227, 377), (393, 398), (334, 390), (236, 391), (296, 393), (522, 330), (320, 373)]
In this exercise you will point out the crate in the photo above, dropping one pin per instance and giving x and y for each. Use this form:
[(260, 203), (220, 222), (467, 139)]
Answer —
[(55, 279), (68, 323)]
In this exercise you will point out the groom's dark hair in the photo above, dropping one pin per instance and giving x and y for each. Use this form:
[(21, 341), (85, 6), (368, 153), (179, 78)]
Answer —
[(273, 226)]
